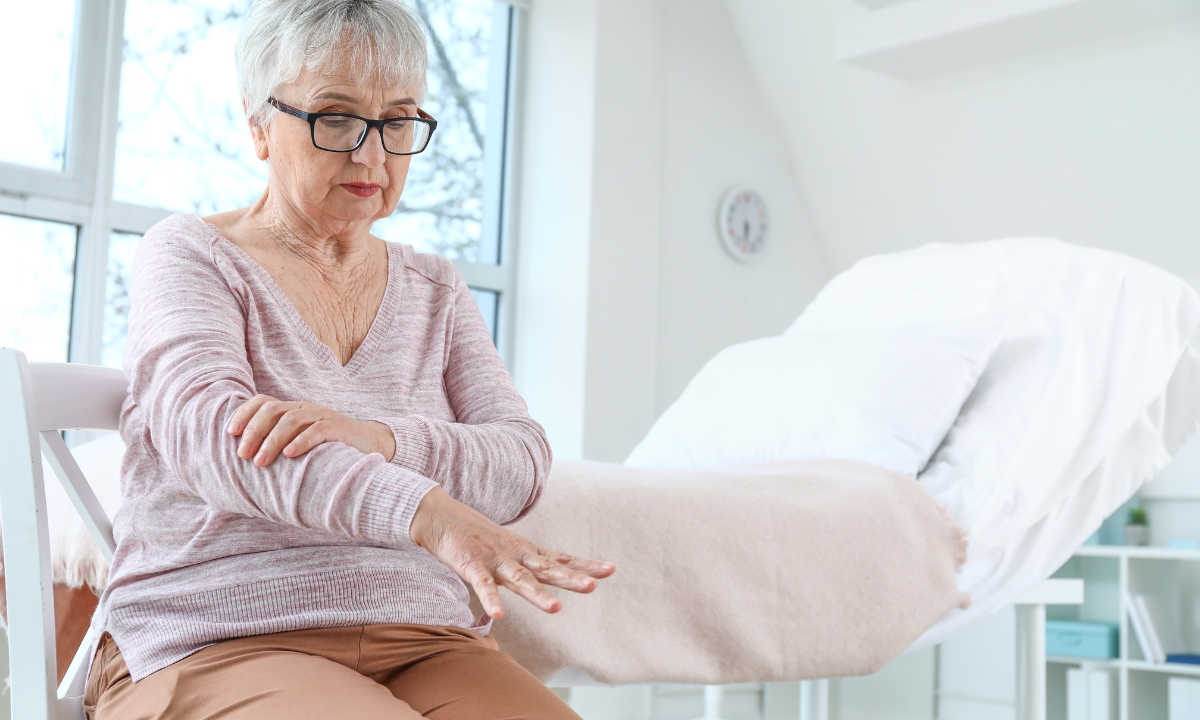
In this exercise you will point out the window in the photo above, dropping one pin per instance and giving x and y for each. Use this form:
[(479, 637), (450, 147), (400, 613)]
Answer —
[(36, 126), (444, 209), (180, 110), (488, 302), (116, 296), (164, 132), (39, 261)]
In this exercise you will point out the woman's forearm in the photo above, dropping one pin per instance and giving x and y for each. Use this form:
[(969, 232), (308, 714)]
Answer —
[(334, 487), (498, 467)]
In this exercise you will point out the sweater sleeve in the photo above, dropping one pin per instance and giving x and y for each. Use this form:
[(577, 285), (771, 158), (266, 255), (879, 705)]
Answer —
[(188, 369), (495, 457)]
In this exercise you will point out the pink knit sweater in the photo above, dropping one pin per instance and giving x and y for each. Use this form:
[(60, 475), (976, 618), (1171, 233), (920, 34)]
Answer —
[(210, 546)]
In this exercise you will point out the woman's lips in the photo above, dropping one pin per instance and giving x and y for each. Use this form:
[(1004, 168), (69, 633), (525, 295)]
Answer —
[(361, 189)]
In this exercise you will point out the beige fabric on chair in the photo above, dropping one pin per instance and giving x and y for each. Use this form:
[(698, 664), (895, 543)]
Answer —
[(805, 569)]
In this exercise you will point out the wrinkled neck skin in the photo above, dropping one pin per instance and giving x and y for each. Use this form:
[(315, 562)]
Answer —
[(331, 246)]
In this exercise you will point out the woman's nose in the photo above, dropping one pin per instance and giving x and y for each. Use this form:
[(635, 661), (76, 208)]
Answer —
[(371, 152)]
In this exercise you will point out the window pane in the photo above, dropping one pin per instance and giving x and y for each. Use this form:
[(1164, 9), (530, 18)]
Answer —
[(489, 303), (442, 206), (35, 49), (116, 305), (182, 140), (36, 282)]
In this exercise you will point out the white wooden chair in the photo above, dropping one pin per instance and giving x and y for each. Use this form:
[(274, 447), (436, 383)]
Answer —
[(37, 400)]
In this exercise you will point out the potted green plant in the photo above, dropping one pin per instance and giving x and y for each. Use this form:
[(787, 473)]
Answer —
[(1137, 529)]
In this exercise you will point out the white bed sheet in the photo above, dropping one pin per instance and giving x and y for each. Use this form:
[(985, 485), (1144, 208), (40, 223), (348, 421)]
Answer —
[(997, 577), (1089, 394)]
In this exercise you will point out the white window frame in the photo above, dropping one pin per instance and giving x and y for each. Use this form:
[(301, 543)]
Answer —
[(81, 194)]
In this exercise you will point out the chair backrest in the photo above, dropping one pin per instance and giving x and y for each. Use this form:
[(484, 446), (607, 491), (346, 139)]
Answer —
[(37, 400)]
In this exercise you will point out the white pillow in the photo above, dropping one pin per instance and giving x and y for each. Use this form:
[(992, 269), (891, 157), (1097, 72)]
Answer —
[(883, 397)]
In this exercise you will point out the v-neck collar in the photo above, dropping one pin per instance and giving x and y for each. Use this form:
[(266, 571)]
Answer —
[(382, 321)]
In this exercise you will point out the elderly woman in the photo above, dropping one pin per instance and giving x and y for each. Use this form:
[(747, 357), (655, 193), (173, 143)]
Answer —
[(321, 437)]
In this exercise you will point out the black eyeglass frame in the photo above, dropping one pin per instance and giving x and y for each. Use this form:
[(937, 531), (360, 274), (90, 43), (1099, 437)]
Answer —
[(312, 118)]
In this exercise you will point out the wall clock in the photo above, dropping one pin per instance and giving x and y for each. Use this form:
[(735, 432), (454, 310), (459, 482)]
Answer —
[(743, 223)]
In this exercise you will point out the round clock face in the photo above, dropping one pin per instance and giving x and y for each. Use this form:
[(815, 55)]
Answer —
[(743, 223)]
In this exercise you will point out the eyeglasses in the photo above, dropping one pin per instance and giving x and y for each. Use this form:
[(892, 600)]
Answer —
[(339, 132)]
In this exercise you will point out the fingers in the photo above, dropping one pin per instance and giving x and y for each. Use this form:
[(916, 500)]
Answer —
[(489, 556), (557, 574), (290, 425), (260, 425), (526, 579), (243, 414), (269, 427), (518, 578), (595, 568), (485, 590), (312, 436)]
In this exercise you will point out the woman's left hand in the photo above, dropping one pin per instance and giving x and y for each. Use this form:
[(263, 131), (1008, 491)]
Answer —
[(268, 426), (490, 557)]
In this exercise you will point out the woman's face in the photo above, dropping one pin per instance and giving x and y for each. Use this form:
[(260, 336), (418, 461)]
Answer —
[(335, 190)]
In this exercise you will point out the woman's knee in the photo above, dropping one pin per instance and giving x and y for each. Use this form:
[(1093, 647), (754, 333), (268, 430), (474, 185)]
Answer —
[(498, 688)]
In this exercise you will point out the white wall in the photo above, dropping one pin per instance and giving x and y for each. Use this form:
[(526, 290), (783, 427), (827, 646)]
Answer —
[(718, 132), (622, 325), (901, 691), (638, 116), (554, 176), (1094, 143)]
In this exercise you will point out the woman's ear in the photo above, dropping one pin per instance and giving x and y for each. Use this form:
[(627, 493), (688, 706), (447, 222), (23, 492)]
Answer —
[(258, 133)]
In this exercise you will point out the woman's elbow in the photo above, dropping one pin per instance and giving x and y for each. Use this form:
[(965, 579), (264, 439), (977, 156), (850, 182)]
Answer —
[(539, 460)]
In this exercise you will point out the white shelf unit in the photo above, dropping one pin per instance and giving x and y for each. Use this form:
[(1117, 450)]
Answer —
[(1108, 572)]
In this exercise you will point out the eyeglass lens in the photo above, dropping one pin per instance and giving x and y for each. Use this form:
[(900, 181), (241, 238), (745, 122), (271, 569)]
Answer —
[(344, 133)]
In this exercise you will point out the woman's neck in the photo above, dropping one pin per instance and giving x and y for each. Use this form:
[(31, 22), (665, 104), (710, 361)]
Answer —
[(328, 243)]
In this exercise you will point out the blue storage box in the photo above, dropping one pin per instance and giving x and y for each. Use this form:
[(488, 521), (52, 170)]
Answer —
[(1077, 638)]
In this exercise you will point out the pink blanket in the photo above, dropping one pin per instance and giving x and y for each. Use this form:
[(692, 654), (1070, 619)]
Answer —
[(785, 571)]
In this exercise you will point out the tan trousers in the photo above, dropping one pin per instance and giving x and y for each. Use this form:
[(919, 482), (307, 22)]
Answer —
[(371, 672)]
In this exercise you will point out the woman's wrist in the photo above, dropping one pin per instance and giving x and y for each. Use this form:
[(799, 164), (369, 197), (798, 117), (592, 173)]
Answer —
[(424, 519), (385, 440)]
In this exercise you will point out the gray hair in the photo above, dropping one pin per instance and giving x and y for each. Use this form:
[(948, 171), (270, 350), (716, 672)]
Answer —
[(372, 40)]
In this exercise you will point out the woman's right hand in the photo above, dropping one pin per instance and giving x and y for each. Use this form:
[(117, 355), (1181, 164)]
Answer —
[(489, 556)]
